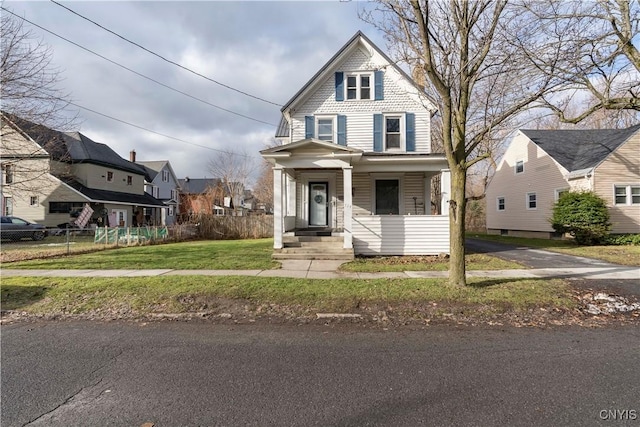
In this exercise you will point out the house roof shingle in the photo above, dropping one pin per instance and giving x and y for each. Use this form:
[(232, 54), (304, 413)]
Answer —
[(96, 195), (577, 149), (197, 185)]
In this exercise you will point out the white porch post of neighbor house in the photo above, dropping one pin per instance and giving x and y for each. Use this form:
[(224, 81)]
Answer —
[(278, 219), (348, 207), (445, 191)]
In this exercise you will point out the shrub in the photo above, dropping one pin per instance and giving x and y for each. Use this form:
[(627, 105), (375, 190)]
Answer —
[(583, 215), (623, 239)]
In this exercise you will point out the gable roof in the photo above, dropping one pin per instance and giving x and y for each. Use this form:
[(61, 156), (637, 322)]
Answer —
[(197, 185), (311, 142), (153, 167), (577, 149), (73, 147), (328, 68)]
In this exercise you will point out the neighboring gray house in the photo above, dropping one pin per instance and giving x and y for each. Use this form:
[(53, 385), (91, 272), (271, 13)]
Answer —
[(161, 183)]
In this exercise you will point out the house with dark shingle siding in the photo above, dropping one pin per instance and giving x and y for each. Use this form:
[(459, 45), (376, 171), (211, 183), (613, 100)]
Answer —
[(539, 165)]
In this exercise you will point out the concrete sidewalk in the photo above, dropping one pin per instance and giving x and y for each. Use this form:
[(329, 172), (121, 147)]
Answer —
[(327, 269)]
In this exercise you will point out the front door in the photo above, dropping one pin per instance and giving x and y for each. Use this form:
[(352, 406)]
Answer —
[(318, 206)]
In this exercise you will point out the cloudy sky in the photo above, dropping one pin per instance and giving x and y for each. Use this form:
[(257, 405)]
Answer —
[(266, 49)]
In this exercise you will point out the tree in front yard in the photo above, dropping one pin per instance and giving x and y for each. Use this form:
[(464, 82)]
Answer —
[(584, 215)]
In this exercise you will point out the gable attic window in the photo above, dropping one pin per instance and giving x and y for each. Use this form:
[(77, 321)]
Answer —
[(109, 176), (365, 85), (519, 168), (165, 176)]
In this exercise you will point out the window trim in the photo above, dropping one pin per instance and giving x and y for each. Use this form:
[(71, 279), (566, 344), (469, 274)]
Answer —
[(515, 167), (334, 127), (358, 75), (628, 194), (403, 132), (34, 201), (504, 203), (557, 192), (528, 201)]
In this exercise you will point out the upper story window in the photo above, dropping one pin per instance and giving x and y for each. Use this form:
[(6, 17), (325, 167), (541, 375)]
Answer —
[(627, 194), (129, 180), (519, 168), (324, 127), (359, 86), (156, 192), (392, 135), (165, 176), (532, 201), (394, 132), (501, 203), (174, 194), (33, 201), (8, 174), (109, 176)]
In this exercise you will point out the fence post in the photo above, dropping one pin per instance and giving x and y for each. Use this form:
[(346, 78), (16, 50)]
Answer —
[(68, 233)]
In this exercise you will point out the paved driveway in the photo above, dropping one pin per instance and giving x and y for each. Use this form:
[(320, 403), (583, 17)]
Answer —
[(538, 258)]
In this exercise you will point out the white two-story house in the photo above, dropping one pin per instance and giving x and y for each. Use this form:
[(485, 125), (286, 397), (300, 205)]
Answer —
[(355, 165)]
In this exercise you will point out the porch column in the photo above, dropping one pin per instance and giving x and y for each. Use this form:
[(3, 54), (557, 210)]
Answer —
[(348, 207), (445, 191), (427, 195), (277, 207)]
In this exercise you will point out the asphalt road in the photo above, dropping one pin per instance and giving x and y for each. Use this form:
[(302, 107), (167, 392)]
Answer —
[(188, 374)]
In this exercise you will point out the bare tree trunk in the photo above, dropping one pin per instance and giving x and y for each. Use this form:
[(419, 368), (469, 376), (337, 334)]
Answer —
[(457, 209)]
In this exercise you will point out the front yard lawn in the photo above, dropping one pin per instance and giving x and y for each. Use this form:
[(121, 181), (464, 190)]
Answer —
[(624, 254), (140, 296), (426, 263), (199, 255)]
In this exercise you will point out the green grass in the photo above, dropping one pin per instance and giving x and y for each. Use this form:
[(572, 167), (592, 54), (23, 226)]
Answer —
[(624, 255), (179, 294), (426, 263), (199, 255)]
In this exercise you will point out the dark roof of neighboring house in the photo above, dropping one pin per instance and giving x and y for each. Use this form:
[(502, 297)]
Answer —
[(197, 185), (73, 147), (152, 168), (577, 149), (114, 196)]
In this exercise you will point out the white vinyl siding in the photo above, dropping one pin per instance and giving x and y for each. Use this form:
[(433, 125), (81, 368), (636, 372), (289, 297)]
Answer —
[(360, 113), (403, 235)]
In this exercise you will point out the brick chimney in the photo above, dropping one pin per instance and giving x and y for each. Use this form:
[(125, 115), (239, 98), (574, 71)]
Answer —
[(132, 156)]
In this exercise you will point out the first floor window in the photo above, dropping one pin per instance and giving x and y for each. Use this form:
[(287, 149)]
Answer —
[(325, 129), (392, 132), (532, 201), (501, 203), (387, 197), (65, 207), (627, 194), (560, 192), (170, 210), (33, 201)]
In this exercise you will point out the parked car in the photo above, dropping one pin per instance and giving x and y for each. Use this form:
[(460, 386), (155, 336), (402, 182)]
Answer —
[(14, 228)]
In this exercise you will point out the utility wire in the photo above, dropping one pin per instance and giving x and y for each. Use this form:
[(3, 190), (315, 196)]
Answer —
[(137, 73), (165, 59), (152, 131)]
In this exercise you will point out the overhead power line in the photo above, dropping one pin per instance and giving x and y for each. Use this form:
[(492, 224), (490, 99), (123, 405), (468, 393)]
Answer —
[(165, 59), (137, 73)]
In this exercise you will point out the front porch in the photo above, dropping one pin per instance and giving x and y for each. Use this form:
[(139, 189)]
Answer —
[(333, 202)]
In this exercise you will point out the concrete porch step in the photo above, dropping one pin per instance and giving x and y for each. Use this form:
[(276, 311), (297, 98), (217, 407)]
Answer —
[(305, 239), (347, 256)]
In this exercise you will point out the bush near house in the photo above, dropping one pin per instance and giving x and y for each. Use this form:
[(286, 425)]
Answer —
[(584, 215)]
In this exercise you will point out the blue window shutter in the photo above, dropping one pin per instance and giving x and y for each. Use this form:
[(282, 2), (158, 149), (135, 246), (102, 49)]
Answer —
[(377, 133), (410, 126), (342, 130), (339, 86), (379, 88), (308, 127)]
